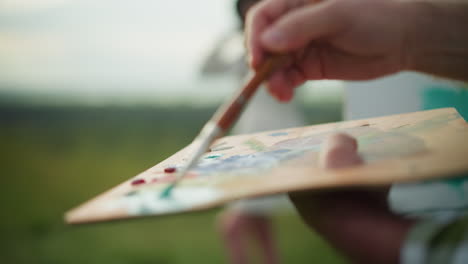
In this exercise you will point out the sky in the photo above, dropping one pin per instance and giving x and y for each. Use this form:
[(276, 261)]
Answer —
[(110, 48)]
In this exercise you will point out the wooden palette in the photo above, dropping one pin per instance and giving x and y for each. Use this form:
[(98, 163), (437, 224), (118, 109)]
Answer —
[(408, 147)]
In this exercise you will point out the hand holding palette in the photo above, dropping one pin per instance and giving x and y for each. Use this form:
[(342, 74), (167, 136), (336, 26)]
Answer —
[(400, 148)]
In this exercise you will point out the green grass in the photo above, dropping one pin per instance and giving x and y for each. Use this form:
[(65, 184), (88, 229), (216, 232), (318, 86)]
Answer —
[(53, 159)]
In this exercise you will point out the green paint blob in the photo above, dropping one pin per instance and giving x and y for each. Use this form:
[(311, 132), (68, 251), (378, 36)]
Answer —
[(255, 145), (213, 156), (132, 193)]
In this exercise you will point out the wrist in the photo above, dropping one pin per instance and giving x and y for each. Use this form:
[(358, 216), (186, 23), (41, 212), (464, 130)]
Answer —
[(436, 39)]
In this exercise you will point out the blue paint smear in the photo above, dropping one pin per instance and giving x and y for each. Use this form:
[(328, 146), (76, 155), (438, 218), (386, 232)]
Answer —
[(277, 134), (247, 163)]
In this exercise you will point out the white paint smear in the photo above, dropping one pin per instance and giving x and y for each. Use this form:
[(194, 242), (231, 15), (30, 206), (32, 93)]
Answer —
[(147, 201)]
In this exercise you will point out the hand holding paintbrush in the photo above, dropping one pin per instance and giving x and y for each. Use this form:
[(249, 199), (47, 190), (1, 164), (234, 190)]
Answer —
[(228, 113)]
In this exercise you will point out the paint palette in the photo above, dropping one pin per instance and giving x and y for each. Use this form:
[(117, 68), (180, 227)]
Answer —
[(408, 147)]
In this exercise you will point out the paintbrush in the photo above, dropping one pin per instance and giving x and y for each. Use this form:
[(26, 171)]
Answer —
[(225, 117)]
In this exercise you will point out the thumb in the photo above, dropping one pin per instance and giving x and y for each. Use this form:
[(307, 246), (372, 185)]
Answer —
[(339, 151), (299, 27)]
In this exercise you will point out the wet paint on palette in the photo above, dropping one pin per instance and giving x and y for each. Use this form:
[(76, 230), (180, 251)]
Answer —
[(170, 169), (255, 144), (278, 134), (373, 143), (138, 182), (148, 201), (132, 193), (213, 156), (247, 164), (264, 158), (221, 148)]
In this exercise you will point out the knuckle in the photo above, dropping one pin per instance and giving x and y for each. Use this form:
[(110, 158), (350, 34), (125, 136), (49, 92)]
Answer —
[(255, 12)]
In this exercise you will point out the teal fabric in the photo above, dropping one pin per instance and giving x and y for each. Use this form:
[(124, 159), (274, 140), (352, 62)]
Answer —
[(439, 96)]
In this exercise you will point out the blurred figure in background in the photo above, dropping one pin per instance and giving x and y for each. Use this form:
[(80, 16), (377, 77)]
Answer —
[(249, 219)]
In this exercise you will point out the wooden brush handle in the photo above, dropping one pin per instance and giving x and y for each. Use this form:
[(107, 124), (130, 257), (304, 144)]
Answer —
[(228, 113)]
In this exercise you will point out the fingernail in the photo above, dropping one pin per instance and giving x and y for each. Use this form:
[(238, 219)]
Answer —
[(273, 38)]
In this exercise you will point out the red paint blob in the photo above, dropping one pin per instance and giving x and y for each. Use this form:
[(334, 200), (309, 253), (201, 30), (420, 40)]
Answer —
[(170, 170), (138, 181)]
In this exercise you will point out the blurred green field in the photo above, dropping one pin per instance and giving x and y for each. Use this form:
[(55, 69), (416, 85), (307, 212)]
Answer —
[(54, 158)]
